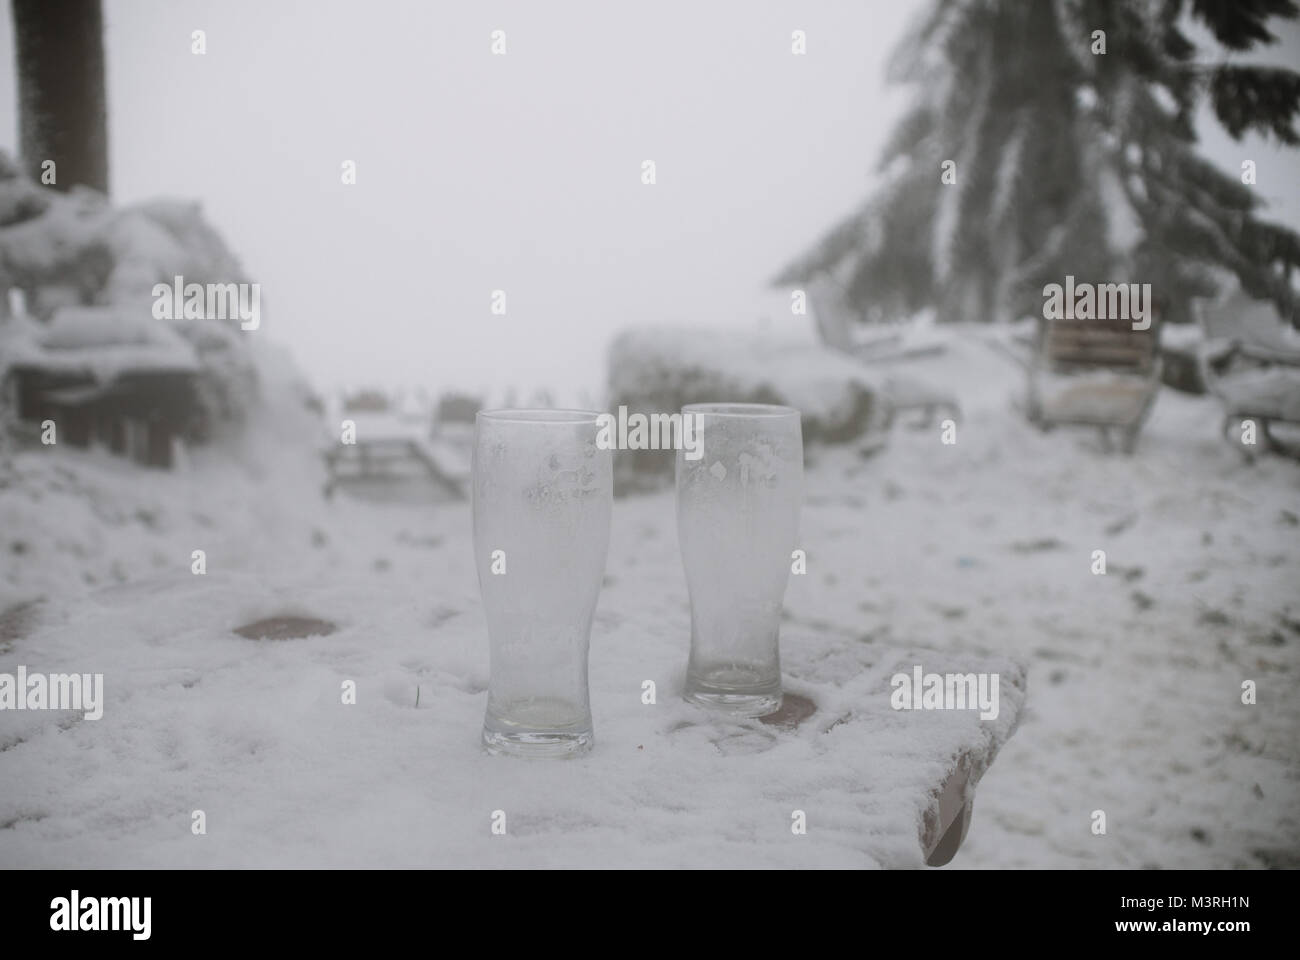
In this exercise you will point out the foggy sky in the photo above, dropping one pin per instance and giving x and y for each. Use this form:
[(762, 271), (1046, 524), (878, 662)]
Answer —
[(478, 172)]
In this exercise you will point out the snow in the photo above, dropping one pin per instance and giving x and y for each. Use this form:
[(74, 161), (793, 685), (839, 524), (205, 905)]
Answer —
[(964, 557), (255, 735), (55, 244), (898, 341), (1271, 392), (76, 250), (1102, 396), (386, 425), (103, 342), (1183, 337), (1124, 229), (159, 240)]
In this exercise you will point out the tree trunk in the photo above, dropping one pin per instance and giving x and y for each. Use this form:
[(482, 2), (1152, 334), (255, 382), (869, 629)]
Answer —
[(59, 47)]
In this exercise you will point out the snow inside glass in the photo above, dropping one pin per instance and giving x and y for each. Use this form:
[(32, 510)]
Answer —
[(542, 498), (738, 524)]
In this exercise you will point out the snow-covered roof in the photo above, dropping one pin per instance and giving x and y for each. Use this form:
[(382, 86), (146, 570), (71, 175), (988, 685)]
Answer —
[(102, 342)]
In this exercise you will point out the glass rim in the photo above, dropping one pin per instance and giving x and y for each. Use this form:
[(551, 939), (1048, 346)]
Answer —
[(754, 410), (556, 416)]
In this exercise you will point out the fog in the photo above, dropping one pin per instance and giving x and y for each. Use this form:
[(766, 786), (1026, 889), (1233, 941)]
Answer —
[(519, 173)]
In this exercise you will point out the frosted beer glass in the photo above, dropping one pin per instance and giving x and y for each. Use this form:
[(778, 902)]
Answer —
[(738, 523), (543, 493)]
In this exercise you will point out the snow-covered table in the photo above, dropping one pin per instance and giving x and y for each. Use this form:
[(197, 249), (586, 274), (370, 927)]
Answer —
[(257, 736)]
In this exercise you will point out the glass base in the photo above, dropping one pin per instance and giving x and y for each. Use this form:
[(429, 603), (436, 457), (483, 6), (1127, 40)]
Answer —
[(537, 727), (537, 743), (739, 696)]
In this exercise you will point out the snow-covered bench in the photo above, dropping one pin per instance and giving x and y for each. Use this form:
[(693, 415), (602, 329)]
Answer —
[(1257, 383), (1097, 372)]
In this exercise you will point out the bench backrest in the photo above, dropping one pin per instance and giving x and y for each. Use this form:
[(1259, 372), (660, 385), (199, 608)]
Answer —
[(1097, 344), (835, 319)]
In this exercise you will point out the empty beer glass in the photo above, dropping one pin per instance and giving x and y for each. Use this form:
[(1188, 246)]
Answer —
[(738, 525), (543, 492)]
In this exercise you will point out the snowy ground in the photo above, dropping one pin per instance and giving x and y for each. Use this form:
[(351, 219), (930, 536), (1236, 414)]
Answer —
[(1135, 677), (981, 549)]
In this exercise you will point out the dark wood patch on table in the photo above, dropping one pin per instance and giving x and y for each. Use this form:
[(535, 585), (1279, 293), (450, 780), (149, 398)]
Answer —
[(286, 628)]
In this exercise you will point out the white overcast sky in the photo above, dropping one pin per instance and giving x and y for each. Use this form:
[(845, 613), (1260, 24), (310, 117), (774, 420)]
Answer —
[(522, 172)]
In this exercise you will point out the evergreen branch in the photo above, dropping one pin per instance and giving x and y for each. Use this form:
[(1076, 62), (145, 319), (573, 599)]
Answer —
[(1265, 99), (1239, 24), (914, 127)]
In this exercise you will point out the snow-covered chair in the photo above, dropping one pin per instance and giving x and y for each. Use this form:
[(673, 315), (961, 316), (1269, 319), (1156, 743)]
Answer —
[(1095, 372), (1254, 382), (839, 327), (842, 327)]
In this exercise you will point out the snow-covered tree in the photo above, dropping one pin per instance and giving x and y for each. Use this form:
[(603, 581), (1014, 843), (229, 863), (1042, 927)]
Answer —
[(1056, 137)]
